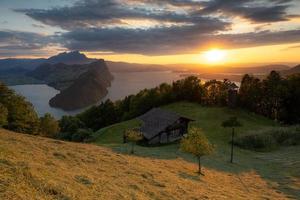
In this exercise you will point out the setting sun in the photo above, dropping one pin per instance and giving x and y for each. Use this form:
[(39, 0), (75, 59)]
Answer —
[(215, 56)]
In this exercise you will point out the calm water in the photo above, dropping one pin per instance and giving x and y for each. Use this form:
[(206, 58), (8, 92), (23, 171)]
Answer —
[(123, 84)]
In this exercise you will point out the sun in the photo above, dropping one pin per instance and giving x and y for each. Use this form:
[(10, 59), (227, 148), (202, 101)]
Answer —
[(215, 56)]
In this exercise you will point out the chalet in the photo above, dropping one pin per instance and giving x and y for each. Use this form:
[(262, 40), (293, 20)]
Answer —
[(160, 126)]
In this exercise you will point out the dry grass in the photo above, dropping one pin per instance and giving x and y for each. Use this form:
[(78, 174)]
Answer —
[(39, 168)]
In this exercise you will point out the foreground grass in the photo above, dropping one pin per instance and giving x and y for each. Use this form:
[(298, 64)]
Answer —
[(280, 169), (32, 167)]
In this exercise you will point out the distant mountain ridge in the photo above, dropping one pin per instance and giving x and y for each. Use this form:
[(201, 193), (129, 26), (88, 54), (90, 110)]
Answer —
[(73, 57), (15, 71), (293, 70)]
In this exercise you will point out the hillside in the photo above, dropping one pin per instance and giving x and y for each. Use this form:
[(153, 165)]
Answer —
[(293, 70), (87, 89), (32, 167), (279, 169)]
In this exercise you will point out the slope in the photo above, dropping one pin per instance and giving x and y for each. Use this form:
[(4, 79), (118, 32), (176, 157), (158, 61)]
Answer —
[(38, 168), (280, 169)]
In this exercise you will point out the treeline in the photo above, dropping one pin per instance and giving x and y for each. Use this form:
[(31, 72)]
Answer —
[(211, 93), (19, 115), (275, 97)]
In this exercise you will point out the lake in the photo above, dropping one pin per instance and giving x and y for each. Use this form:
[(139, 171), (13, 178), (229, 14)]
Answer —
[(123, 84)]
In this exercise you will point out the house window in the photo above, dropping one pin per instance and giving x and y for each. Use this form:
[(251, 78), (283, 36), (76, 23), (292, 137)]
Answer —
[(175, 133)]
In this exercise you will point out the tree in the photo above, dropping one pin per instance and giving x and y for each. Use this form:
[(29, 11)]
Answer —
[(49, 126), (82, 135), (274, 91), (21, 116), (251, 93), (70, 124), (231, 122), (133, 137), (197, 144), (3, 115)]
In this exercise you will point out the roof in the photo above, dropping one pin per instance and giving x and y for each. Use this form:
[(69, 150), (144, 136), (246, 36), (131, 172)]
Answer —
[(157, 120)]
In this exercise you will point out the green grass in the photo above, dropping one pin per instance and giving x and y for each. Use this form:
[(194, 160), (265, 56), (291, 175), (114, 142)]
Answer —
[(113, 135), (279, 166)]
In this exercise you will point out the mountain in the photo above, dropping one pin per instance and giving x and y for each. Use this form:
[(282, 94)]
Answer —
[(83, 91), (15, 71), (25, 64), (60, 75), (293, 70), (73, 57)]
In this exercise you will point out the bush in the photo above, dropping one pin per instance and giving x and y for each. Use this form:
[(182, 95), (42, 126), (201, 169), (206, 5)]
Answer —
[(82, 135), (64, 136), (270, 138), (70, 124), (49, 126), (3, 115)]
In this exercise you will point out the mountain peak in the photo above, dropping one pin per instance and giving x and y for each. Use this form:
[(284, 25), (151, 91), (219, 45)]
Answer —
[(72, 57)]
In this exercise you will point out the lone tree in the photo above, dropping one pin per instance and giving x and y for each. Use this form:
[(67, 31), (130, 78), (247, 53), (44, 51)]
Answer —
[(197, 144), (232, 122), (132, 136)]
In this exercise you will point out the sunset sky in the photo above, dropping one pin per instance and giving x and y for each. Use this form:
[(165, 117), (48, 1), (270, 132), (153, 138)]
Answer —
[(154, 31)]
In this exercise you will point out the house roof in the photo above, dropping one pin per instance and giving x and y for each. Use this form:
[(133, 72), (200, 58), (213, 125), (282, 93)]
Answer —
[(157, 120)]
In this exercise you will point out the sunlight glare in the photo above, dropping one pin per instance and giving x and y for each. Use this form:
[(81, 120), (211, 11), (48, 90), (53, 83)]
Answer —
[(215, 55)]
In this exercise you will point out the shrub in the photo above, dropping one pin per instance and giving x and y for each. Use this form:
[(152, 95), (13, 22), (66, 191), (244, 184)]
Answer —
[(132, 136), (270, 138), (49, 126), (70, 124), (82, 135), (3, 115), (257, 142)]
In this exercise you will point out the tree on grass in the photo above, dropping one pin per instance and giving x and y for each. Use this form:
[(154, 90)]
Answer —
[(49, 126), (133, 137), (232, 122), (197, 144)]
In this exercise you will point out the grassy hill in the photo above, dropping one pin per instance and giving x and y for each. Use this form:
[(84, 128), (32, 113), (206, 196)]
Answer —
[(33, 167), (281, 169)]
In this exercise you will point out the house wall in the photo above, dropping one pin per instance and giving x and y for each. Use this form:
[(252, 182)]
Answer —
[(172, 134)]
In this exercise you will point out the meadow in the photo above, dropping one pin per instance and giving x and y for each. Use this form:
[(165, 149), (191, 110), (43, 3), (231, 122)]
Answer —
[(33, 167), (280, 168)]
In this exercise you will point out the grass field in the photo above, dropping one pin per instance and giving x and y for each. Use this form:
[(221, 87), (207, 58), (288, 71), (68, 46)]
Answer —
[(281, 169), (33, 167)]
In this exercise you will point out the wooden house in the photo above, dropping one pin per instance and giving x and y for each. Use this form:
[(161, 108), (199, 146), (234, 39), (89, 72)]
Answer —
[(160, 126)]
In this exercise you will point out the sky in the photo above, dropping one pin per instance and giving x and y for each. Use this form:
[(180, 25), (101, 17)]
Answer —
[(154, 31)]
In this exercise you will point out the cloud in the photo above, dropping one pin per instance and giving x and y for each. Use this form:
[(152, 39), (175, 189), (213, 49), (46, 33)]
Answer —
[(15, 42), (256, 11), (38, 26), (173, 26), (171, 40), (99, 13)]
